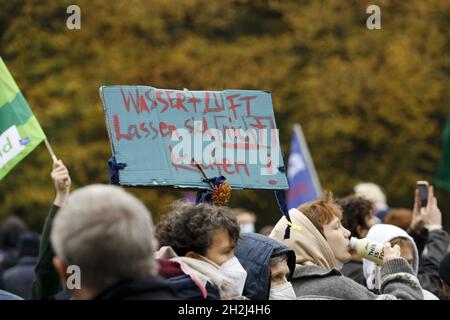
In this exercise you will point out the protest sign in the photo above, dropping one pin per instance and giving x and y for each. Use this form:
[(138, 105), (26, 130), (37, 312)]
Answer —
[(158, 133)]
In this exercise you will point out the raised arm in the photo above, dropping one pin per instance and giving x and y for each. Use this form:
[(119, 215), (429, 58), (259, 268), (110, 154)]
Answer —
[(47, 283)]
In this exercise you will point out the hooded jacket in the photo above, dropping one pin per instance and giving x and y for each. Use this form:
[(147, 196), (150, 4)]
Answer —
[(315, 275), (383, 233), (309, 245), (254, 252)]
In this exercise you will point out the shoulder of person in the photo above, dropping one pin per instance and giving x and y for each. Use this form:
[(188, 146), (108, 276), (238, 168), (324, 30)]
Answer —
[(314, 271)]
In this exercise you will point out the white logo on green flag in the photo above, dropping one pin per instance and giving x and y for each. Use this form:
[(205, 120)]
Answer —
[(10, 145)]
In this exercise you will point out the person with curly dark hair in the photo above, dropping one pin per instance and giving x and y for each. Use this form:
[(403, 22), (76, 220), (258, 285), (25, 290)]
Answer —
[(197, 251), (358, 217)]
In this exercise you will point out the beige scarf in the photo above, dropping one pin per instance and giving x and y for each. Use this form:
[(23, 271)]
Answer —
[(309, 245), (200, 272)]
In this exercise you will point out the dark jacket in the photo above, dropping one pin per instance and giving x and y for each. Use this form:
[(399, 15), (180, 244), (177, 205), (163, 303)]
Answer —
[(144, 288), (182, 283), (419, 238), (9, 259), (18, 279), (437, 248), (47, 283), (186, 289), (254, 252)]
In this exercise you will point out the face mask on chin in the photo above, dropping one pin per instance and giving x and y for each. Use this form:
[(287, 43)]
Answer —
[(233, 270), (282, 292)]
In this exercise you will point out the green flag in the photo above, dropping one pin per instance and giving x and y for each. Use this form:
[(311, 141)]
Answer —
[(20, 132), (443, 175)]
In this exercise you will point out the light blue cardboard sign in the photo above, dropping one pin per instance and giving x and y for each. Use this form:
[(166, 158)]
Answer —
[(144, 123)]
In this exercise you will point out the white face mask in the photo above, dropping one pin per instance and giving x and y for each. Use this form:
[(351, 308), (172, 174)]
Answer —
[(233, 270), (282, 292), (248, 228)]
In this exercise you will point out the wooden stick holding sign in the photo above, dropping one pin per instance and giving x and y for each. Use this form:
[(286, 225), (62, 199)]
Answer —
[(203, 173)]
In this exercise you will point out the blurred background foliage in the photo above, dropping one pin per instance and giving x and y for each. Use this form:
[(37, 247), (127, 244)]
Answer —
[(372, 103)]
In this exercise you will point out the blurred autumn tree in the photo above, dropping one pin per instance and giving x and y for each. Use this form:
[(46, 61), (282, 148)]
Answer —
[(372, 103)]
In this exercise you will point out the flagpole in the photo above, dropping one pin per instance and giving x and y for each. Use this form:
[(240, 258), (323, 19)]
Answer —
[(54, 158), (50, 150)]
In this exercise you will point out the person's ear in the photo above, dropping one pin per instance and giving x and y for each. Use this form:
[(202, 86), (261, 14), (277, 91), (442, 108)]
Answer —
[(60, 268)]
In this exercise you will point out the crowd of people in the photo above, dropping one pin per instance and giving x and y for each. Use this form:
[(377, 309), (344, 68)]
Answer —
[(99, 243)]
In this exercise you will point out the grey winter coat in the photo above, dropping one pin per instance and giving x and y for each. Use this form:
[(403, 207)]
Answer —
[(316, 282)]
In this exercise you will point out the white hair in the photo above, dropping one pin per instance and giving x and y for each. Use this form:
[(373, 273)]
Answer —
[(277, 259), (107, 233), (372, 192)]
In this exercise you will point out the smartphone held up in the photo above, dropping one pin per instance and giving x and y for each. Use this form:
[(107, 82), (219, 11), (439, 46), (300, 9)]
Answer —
[(423, 192)]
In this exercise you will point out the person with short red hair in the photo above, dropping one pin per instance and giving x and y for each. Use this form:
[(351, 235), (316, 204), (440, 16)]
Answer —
[(321, 245)]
